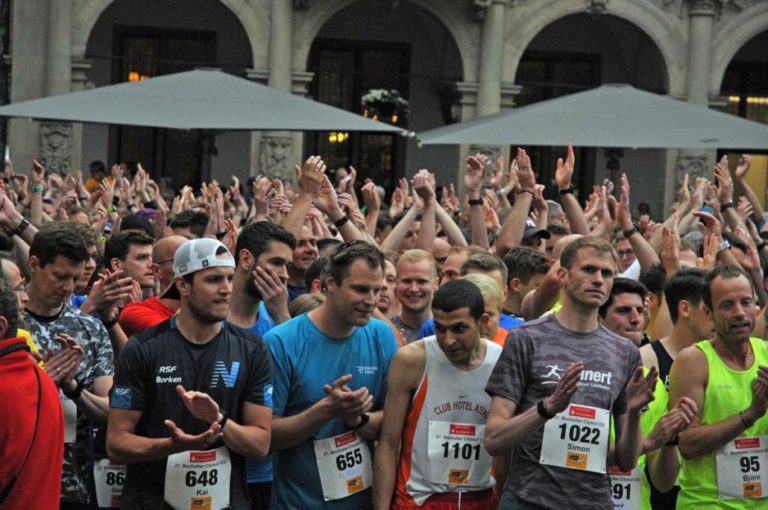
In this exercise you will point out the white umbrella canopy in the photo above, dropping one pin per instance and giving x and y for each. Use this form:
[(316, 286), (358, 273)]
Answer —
[(608, 116), (200, 99)]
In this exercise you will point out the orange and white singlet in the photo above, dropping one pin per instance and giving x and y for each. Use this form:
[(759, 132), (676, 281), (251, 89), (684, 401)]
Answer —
[(442, 444)]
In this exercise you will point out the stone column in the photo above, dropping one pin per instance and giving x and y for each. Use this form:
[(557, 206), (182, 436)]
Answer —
[(275, 152), (491, 53), (701, 21), (57, 138), (29, 20)]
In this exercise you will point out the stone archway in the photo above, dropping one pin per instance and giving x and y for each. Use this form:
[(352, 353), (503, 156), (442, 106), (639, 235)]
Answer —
[(253, 17), (307, 24), (667, 33), (731, 37)]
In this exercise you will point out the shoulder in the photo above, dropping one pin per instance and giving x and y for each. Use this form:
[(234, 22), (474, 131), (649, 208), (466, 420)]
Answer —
[(649, 356), (287, 329), (691, 357), (160, 331), (410, 361)]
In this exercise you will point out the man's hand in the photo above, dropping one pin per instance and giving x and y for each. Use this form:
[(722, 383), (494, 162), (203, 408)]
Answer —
[(200, 404), (745, 161), (711, 224), (684, 194), (671, 424), (326, 198), (10, 218), (525, 172), (110, 288), (371, 197), (759, 405), (183, 441), (424, 186), (347, 404), (670, 249), (311, 176), (724, 181), (539, 202), (474, 172), (564, 171), (621, 208), (640, 389), (558, 401), (38, 174), (274, 293)]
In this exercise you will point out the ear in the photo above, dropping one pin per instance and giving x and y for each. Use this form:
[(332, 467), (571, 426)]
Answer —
[(561, 275), (484, 320), (514, 285), (330, 283), (183, 286), (684, 309), (33, 262), (115, 264), (315, 286), (245, 259), (3, 326)]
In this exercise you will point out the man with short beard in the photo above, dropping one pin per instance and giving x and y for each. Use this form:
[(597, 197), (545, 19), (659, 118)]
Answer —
[(192, 396), (259, 302), (727, 377), (415, 286), (623, 313)]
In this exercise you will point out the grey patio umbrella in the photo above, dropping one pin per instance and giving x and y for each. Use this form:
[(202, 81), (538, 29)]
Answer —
[(607, 116), (208, 100)]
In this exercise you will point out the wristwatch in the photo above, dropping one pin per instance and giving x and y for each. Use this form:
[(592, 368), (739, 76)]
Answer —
[(364, 418), (541, 408), (224, 418), (723, 245)]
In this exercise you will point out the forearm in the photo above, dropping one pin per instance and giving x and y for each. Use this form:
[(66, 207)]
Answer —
[(663, 467), (749, 194), (248, 440), (705, 439), (629, 443), (295, 219), (385, 474), (477, 226), (541, 299), (514, 225), (502, 435), (36, 209), (732, 218), (646, 255), (127, 448), (288, 431), (372, 429), (96, 408), (397, 234), (118, 338), (427, 230), (371, 219), (574, 214), (452, 231)]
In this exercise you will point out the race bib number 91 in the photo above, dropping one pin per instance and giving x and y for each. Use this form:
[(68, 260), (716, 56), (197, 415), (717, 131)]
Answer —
[(742, 468), (577, 438), (626, 489)]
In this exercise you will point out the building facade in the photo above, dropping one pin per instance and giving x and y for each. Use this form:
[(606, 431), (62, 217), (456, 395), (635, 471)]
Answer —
[(452, 59)]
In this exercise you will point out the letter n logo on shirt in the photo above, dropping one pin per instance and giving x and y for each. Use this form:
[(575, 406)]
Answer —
[(228, 376)]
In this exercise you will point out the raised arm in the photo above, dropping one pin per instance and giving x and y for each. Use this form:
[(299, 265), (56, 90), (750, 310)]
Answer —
[(573, 211), (646, 255), (309, 182), (424, 187), (514, 225), (474, 171), (745, 161)]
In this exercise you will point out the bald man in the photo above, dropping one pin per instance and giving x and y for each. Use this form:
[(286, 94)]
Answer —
[(137, 317)]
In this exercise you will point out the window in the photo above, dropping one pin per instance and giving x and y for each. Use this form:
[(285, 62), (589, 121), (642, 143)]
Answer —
[(344, 72), (141, 53)]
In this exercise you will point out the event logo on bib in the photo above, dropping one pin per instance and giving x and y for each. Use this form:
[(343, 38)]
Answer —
[(592, 378)]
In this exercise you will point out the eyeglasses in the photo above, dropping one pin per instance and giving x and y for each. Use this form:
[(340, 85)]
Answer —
[(21, 288), (626, 253)]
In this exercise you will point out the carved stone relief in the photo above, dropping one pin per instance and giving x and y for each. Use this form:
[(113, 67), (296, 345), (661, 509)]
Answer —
[(275, 156), (56, 146), (691, 164)]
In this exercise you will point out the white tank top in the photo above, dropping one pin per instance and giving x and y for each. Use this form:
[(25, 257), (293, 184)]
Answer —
[(442, 448)]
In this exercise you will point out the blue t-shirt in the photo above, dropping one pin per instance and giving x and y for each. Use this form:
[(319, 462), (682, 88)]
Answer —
[(260, 471), (75, 301), (505, 321), (303, 360)]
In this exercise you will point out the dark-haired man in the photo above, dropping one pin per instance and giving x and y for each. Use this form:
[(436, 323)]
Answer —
[(624, 312), (526, 269), (259, 301), (57, 258), (724, 452), (131, 252), (539, 409), (191, 395), (330, 369), (436, 409)]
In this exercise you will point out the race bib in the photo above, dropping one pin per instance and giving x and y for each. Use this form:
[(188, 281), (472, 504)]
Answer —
[(577, 438), (626, 488), (110, 479), (70, 419), (742, 466), (457, 455), (198, 479), (344, 465)]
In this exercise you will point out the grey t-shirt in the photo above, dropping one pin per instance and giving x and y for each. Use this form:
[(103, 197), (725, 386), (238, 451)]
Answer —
[(411, 334), (534, 358)]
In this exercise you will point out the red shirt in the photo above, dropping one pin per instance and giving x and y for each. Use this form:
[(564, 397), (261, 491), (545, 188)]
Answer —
[(141, 316), (40, 479)]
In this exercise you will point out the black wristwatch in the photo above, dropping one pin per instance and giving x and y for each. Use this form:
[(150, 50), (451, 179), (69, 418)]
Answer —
[(567, 191), (364, 418), (224, 418), (74, 394), (541, 408)]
